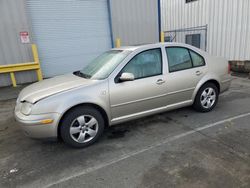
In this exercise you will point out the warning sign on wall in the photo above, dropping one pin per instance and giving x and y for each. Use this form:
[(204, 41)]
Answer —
[(24, 36)]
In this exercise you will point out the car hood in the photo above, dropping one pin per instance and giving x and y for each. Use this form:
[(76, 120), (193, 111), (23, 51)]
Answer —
[(48, 87)]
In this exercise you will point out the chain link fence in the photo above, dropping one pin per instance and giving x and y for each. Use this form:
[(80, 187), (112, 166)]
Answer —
[(195, 36)]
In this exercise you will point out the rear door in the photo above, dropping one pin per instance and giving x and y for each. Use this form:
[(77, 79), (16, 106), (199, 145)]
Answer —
[(185, 70)]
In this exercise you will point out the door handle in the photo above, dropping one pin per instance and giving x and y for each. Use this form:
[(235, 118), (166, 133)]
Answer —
[(160, 81), (198, 73)]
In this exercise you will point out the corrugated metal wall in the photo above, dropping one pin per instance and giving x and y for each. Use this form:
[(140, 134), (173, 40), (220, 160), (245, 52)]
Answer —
[(228, 23), (69, 33), (12, 21), (135, 21)]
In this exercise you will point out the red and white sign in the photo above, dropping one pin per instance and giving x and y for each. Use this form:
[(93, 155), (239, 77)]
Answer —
[(24, 36)]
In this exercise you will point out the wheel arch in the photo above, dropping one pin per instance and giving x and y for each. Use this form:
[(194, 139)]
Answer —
[(214, 81), (97, 107)]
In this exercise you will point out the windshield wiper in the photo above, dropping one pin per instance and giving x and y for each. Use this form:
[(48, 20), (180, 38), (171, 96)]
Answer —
[(79, 73)]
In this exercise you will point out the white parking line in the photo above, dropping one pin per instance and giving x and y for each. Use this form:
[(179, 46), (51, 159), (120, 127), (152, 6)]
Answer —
[(126, 156)]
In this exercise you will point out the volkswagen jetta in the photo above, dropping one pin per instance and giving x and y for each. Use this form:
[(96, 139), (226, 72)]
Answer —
[(120, 85)]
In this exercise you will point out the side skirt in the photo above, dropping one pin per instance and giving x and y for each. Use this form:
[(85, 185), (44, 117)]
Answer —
[(150, 112)]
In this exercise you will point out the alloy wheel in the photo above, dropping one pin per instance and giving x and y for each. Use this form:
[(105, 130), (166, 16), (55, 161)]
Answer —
[(208, 98), (84, 128)]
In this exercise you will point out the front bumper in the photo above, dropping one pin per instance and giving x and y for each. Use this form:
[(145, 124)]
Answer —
[(32, 126)]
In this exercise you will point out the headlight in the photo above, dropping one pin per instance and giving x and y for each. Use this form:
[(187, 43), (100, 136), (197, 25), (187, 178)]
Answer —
[(26, 108)]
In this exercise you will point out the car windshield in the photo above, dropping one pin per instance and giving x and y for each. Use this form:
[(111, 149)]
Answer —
[(102, 66)]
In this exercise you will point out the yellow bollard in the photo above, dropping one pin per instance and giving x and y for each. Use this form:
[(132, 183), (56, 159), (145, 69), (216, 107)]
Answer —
[(36, 59), (13, 79), (118, 43), (162, 37)]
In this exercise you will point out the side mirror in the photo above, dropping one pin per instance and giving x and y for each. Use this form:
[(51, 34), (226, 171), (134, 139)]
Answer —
[(127, 77)]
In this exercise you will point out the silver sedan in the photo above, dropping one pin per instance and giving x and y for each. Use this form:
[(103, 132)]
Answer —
[(120, 85)]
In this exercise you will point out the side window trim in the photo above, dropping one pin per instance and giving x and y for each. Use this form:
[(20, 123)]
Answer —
[(161, 55), (189, 56)]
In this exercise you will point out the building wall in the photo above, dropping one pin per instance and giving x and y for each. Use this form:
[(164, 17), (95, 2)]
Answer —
[(13, 20), (135, 21), (69, 33), (228, 24)]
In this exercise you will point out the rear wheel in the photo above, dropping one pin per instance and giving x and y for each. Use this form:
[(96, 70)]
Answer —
[(206, 98), (82, 126)]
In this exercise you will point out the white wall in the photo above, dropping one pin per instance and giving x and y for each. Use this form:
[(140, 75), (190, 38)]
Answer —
[(228, 23)]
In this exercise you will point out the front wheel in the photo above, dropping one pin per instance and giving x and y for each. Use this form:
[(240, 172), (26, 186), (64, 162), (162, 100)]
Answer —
[(206, 98), (82, 126)]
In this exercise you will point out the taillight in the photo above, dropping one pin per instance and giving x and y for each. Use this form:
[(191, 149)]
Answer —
[(229, 68)]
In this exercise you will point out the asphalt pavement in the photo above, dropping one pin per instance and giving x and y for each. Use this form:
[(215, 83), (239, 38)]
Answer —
[(181, 148)]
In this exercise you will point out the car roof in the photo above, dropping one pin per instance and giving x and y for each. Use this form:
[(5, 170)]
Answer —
[(159, 44)]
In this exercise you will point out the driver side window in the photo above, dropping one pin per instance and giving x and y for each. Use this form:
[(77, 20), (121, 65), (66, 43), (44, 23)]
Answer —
[(145, 64)]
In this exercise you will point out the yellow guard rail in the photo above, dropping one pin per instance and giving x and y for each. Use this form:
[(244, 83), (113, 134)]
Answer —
[(11, 68)]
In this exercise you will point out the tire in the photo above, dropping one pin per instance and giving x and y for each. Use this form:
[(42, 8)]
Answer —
[(206, 98), (82, 126)]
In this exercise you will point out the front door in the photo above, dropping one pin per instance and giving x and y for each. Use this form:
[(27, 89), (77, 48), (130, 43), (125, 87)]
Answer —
[(145, 92)]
